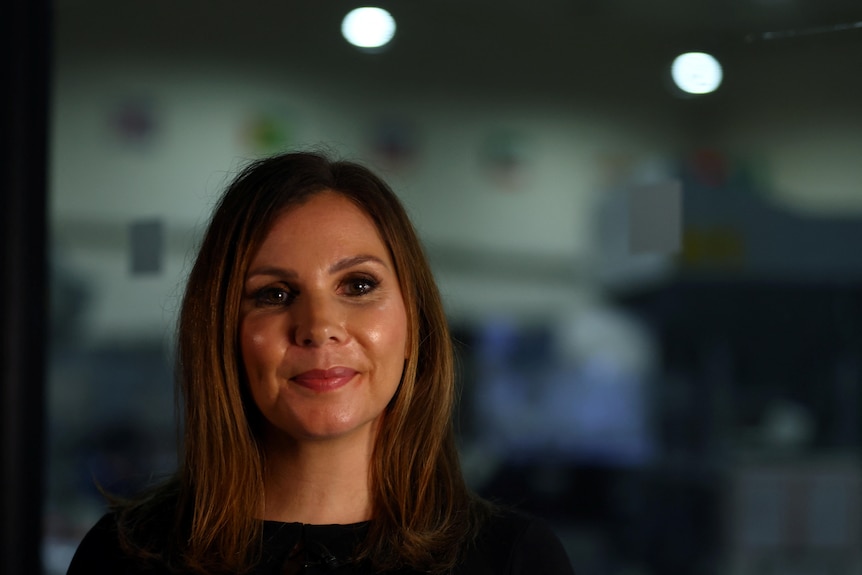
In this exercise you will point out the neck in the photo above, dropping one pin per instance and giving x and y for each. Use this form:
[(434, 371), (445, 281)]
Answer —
[(317, 482)]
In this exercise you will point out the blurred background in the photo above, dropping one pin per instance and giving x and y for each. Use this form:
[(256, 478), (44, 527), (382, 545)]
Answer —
[(656, 295)]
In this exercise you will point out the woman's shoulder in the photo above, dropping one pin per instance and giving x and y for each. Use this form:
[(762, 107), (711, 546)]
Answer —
[(102, 551), (515, 543)]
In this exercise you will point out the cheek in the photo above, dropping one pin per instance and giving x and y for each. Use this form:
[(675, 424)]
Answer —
[(257, 342), (261, 355), (259, 346), (388, 333), (249, 341)]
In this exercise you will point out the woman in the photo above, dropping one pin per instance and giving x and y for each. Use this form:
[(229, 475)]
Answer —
[(317, 375)]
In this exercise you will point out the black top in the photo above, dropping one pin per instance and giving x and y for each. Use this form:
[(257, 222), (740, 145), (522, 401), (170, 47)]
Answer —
[(509, 543)]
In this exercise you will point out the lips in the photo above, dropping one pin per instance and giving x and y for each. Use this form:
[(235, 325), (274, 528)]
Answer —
[(325, 379)]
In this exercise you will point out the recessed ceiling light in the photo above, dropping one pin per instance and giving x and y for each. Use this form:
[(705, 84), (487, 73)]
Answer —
[(696, 73), (368, 27)]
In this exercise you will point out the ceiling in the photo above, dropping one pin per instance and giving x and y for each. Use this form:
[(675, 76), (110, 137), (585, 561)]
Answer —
[(439, 28), (545, 42), (600, 49)]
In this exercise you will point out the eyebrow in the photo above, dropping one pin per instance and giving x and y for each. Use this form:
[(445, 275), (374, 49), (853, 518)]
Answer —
[(347, 263), (338, 266)]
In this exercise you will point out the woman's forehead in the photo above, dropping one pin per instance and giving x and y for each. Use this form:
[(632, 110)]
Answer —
[(328, 225)]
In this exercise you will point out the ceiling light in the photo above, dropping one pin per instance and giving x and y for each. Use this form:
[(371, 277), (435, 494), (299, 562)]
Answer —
[(368, 27), (696, 73)]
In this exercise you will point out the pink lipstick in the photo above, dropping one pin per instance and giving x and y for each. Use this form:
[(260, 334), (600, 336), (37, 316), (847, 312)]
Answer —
[(325, 379)]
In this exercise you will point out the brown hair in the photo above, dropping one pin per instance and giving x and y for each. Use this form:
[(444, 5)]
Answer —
[(423, 512)]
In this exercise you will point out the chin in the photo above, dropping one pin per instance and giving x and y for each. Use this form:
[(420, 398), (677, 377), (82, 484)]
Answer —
[(328, 430)]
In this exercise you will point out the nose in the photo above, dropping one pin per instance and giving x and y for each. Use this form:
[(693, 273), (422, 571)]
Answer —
[(317, 321)]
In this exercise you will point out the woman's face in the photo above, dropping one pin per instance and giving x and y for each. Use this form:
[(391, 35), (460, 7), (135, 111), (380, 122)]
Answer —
[(323, 327)]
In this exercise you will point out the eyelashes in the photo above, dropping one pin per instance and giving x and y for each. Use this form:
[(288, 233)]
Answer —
[(360, 286), (354, 286), (273, 296)]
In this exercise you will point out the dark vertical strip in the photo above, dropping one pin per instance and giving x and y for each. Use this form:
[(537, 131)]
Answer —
[(26, 37)]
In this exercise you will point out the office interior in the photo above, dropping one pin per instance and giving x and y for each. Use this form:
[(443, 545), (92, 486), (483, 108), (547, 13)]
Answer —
[(656, 296)]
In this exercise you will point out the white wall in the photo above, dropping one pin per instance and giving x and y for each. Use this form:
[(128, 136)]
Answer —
[(525, 250), (101, 183)]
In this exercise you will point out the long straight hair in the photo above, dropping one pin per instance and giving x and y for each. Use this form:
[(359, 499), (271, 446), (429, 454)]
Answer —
[(423, 513)]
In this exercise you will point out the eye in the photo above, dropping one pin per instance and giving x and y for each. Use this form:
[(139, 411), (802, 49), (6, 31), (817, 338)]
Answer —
[(360, 286), (274, 296)]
